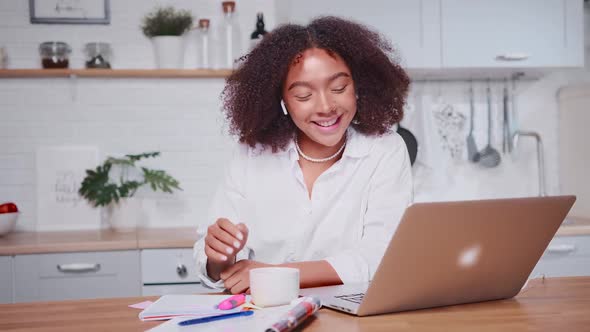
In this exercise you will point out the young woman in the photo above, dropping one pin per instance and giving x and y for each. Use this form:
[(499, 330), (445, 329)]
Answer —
[(318, 181)]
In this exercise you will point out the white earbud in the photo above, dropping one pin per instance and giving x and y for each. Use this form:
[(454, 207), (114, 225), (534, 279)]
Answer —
[(283, 107)]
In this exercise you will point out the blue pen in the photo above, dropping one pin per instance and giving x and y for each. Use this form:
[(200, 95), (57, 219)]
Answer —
[(214, 318)]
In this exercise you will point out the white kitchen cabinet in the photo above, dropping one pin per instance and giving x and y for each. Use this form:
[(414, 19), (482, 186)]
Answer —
[(412, 26), (6, 279), (509, 33), (46, 277), (463, 34), (170, 271), (565, 256)]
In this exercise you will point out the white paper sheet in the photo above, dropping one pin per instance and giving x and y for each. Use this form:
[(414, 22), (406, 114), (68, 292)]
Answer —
[(260, 321)]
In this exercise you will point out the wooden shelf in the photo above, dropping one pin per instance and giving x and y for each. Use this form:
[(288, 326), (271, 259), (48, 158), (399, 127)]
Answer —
[(115, 73)]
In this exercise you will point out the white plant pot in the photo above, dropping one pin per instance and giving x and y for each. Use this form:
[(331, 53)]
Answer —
[(124, 216), (169, 51)]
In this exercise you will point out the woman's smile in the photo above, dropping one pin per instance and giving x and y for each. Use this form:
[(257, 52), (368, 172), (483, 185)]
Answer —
[(328, 126)]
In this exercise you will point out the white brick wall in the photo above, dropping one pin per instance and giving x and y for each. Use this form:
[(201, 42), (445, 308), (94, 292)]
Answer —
[(181, 118)]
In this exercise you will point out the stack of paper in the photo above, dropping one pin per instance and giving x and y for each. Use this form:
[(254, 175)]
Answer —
[(191, 306), (260, 321)]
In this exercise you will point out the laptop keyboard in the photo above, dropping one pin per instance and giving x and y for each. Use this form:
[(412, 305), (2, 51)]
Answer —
[(354, 298)]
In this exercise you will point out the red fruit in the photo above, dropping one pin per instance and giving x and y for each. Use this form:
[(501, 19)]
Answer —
[(8, 208), (12, 207)]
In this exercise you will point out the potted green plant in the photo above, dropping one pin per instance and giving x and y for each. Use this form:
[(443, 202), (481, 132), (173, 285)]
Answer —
[(115, 191), (165, 27)]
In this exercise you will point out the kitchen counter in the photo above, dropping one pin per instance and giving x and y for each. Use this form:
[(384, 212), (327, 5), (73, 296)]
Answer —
[(574, 226), (544, 305), (161, 238), (19, 243)]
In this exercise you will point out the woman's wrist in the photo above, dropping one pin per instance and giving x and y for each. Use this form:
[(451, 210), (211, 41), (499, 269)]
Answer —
[(214, 269)]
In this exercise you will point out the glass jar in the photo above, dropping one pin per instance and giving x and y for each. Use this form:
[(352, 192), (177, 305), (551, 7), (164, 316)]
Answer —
[(98, 55), (229, 36), (204, 47), (55, 55)]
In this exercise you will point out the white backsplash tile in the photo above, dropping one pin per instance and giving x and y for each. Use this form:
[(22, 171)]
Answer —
[(181, 118)]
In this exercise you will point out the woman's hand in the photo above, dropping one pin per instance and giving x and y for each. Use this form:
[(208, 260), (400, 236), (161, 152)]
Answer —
[(222, 242), (236, 278)]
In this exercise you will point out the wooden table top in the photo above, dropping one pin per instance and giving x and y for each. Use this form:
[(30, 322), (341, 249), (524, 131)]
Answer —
[(544, 305)]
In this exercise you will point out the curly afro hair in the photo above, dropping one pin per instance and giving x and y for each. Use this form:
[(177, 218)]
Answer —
[(251, 97)]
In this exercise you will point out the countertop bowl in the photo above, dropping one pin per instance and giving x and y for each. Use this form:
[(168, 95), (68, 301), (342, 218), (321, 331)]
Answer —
[(7, 222)]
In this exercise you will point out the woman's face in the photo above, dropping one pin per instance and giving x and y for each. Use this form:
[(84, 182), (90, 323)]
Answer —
[(320, 97)]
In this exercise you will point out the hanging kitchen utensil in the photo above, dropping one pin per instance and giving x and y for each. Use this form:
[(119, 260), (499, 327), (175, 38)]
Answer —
[(505, 124), (489, 157), (513, 110), (471, 146)]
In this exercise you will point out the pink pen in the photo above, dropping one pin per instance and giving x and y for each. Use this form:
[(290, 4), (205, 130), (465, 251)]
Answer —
[(232, 302)]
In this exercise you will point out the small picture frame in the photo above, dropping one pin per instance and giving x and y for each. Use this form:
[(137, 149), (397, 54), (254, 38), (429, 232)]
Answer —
[(69, 11)]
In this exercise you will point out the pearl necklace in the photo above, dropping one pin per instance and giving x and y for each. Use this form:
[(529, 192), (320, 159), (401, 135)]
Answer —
[(318, 160)]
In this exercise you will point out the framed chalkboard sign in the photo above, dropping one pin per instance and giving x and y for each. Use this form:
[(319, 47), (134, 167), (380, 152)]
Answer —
[(69, 11)]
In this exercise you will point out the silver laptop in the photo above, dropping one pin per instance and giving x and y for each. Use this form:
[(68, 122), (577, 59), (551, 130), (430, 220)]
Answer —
[(449, 253)]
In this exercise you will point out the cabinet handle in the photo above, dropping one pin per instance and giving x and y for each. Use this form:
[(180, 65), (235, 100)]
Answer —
[(78, 267), (512, 57), (561, 248), (181, 270)]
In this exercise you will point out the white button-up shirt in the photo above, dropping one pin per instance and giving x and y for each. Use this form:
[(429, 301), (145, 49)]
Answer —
[(349, 220)]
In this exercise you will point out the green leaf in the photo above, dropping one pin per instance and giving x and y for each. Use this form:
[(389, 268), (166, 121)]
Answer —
[(137, 157), (128, 189), (95, 187), (159, 180), (98, 190), (120, 161)]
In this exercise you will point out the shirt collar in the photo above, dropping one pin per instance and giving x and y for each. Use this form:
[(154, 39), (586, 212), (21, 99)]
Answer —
[(291, 151), (357, 146)]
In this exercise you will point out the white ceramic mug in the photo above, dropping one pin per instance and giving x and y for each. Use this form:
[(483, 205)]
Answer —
[(273, 286)]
